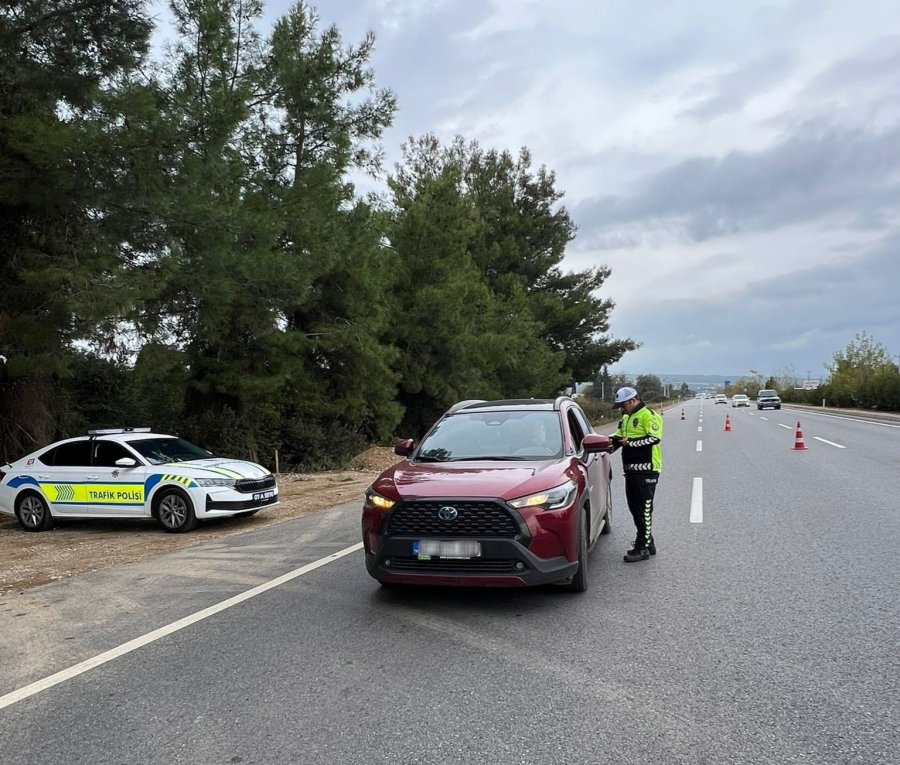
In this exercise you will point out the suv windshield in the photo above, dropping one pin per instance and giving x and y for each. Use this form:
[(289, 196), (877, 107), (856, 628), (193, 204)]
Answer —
[(493, 435), (767, 393), (158, 451)]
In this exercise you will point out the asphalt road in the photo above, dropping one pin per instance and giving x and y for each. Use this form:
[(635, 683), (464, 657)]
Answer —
[(766, 630)]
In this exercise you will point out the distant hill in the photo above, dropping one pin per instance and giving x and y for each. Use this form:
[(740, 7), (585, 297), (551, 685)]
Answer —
[(694, 381)]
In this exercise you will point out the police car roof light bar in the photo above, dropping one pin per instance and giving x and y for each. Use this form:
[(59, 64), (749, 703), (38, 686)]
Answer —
[(110, 431)]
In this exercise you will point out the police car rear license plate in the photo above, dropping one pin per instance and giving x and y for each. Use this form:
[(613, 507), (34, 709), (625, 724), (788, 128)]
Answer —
[(261, 495), (426, 549)]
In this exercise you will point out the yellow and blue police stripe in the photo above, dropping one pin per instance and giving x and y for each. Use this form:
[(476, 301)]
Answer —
[(87, 493)]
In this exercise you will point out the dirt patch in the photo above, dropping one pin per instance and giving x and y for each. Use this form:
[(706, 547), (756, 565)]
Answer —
[(78, 546)]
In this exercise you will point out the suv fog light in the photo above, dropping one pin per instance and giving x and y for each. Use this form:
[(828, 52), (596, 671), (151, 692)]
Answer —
[(520, 566), (387, 562)]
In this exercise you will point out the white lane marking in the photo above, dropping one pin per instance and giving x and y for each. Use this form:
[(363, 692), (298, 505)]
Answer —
[(782, 425), (697, 501), (700, 429), (845, 417), (180, 624), (830, 443), (763, 418), (699, 446)]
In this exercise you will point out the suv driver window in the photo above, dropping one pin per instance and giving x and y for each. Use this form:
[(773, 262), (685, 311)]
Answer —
[(576, 429)]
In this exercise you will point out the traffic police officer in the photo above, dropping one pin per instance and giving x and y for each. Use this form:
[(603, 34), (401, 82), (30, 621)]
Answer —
[(639, 435)]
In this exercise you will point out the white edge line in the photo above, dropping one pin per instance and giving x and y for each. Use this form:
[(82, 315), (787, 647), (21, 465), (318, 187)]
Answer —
[(830, 443), (697, 501), (782, 425), (180, 624)]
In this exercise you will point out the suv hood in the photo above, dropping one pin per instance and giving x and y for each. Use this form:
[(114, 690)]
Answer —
[(506, 480)]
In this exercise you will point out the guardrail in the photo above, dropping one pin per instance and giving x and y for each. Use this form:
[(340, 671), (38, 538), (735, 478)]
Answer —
[(863, 414)]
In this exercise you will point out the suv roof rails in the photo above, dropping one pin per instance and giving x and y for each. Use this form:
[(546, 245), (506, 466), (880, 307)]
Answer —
[(111, 431), (557, 404), (463, 404)]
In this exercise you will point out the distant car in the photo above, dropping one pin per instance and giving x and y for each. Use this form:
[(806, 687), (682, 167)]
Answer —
[(739, 399), (721, 398), (131, 473), (768, 399), (498, 493)]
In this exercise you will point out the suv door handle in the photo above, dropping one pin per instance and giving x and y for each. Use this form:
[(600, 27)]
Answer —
[(44, 477), (92, 477)]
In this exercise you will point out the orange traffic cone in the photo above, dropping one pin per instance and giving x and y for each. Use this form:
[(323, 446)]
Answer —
[(799, 446), (727, 424), (682, 414)]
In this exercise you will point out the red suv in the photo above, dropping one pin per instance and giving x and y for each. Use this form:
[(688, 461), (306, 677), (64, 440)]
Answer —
[(497, 494)]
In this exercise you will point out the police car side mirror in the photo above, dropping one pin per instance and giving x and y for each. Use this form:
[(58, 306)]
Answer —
[(126, 462)]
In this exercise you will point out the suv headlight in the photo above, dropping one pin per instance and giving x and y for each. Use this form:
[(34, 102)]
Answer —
[(552, 499), (376, 500), (214, 481)]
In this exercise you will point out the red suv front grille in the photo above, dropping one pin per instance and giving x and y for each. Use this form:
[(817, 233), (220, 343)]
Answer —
[(473, 519)]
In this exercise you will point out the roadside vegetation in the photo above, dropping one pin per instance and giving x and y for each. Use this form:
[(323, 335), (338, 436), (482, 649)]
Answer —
[(183, 245), (863, 375)]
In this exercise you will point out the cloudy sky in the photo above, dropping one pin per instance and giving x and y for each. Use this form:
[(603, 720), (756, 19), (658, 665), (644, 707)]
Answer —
[(735, 163)]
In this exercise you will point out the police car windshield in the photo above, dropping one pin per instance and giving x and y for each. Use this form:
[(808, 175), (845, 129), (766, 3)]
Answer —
[(159, 451)]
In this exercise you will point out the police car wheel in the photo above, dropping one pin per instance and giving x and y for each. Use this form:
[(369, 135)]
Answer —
[(174, 511), (33, 512)]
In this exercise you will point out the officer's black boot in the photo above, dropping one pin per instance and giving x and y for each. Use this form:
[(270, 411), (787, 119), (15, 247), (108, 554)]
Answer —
[(651, 545), (637, 553)]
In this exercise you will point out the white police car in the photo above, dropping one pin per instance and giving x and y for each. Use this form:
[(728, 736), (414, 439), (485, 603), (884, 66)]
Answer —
[(131, 473)]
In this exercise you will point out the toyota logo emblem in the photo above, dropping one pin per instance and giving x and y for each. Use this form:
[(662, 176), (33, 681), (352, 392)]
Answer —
[(447, 513)]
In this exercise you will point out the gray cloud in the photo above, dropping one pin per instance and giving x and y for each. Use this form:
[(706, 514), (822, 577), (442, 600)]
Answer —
[(846, 175), (772, 324), (730, 91)]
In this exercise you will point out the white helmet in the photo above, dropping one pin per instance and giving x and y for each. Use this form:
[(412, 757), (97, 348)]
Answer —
[(625, 394)]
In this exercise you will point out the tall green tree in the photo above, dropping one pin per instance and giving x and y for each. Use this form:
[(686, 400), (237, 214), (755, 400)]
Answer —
[(517, 242), (269, 275), (440, 303), (524, 232), (458, 335), (61, 61)]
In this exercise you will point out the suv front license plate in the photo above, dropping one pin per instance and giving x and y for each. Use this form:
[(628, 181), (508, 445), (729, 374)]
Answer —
[(426, 549)]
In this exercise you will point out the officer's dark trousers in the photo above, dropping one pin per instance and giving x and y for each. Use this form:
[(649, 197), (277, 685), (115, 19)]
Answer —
[(639, 491)]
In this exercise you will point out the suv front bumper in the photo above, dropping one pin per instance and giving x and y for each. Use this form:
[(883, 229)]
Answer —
[(502, 563)]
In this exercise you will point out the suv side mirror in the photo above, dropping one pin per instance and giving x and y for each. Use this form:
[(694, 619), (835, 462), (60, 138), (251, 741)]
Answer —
[(126, 462), (404, 448), (594, 443)]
